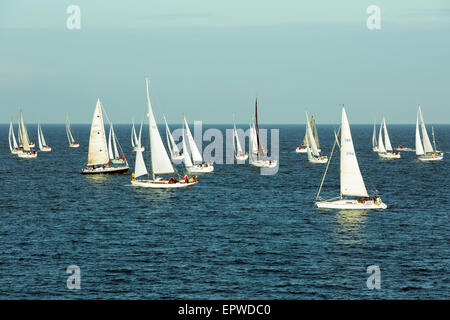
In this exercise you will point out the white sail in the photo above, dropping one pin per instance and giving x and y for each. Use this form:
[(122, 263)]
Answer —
[(161, 163), (140, 132), (381, 147), (98, 150), (19, 133), (196, 155), (387, 141), (307, 144), (12, 138), (419, 146), (352, 183), (44, 143), (426, 140), (170, 141), (68, 132), (238, 143), (110, 152), (24, 134), (374, 135), (316, 136), (114, 139), (41, 145), (253, 139), (139, 169), (186, 154), (310, 138), (133, 136)]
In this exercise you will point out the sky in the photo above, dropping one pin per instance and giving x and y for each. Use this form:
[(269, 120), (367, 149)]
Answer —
[(210, 59)]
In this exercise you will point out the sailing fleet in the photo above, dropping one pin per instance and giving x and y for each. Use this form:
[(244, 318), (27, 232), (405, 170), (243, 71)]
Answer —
[(105, 154)]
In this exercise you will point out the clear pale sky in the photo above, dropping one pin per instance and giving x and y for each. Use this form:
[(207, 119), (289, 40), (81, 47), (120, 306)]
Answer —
[(209, 59)]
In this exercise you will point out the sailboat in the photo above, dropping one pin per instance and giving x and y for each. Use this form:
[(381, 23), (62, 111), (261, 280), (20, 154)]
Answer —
[(41, 140), (374, 138), (134, 138), (311, 147), (351, 180), (26, 153), (72, 142), (239, 154), (175, 153), (13, 147), (196, 165), (302, 148), (424, 149), (160, 161), (113, 148), (385, 150), (260, 161), (98, 154)]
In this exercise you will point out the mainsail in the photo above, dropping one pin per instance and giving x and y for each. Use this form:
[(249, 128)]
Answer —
[(161, 163), (68, 132), (310, 140), (352, 183), (419, 146), (98, 151), (196, 155), (24, 134), (426, 140), (173, 149), (387, 141), (381, 147)]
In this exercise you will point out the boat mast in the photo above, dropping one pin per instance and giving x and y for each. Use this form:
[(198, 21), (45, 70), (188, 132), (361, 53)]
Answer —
[(434, 139), (257, 129)]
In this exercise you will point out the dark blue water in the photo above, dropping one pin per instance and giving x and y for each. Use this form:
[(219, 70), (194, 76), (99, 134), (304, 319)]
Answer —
[(237, 234)]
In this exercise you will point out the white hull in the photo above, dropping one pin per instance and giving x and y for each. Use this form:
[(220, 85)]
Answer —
[(301, 150), (264, 163), (431, 158), (27, 155), (16, 151), (389, 155), (322, 159), (403, 149), (99, 170), (200, 169), (241, 157), (352, 205), (46, 149), (161, 184), (74, 145), (135, 149)]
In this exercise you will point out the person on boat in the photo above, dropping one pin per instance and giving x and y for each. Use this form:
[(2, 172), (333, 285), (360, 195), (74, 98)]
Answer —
[(186, 179), (171, 180)]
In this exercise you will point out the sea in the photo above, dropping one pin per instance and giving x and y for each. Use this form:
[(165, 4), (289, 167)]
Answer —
[(237, 234)]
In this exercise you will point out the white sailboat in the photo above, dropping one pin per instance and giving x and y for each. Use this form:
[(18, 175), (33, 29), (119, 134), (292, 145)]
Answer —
[(196, 165), (239, 153), (41, 140), (302, 148), (134, 138), (260, 160), (98, 154), (175, 153), (351, 180), (160, 161), (26, 153), (13, 146), (311, 146), (113, 148), (72, 142), (385, 150), (424, 150)]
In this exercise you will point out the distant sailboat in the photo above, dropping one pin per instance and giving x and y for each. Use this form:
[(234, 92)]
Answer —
[(302, 148), (385, 150), (134, 138), (72, 142), (26, 153), (41, 140), (160, 161), (424, 149), (351, 180), (175, 153), (196, 165), (98, 155), (13, 147), (260, 161), (239, 153), (311, 146), (113, 148)]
